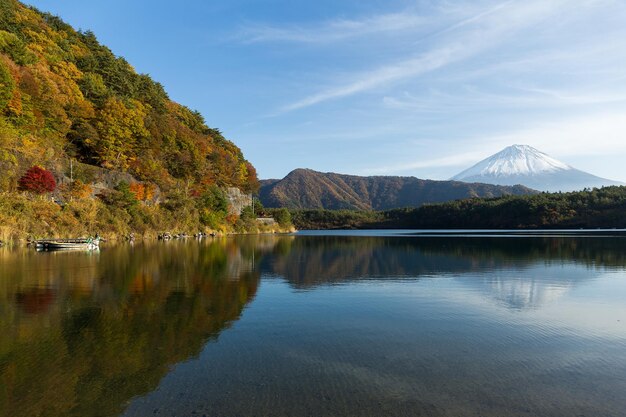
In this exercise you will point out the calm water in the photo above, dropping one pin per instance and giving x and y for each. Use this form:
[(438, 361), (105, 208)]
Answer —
[(317, 325)]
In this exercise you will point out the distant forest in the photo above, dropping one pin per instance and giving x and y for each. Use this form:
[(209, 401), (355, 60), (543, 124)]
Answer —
[(596, 208)]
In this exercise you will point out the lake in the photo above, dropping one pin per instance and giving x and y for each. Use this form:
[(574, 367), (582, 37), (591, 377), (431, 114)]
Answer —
[(318, 324)]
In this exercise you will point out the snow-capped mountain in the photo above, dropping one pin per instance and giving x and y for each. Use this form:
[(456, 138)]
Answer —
[(523, 164)]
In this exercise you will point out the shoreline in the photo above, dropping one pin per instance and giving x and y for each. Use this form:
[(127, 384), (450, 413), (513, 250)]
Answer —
[(150, 236), (25, 218), (430, 233)]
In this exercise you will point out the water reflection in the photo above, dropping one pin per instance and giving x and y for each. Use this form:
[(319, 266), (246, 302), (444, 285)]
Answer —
[(368, 326), (537, 270), (83, 333)]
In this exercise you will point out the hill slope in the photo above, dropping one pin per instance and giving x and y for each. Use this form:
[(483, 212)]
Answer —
[(305, 188), (63, 94), (523, 164)]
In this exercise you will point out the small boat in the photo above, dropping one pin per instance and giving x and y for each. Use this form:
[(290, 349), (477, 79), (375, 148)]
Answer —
[(69, 244)]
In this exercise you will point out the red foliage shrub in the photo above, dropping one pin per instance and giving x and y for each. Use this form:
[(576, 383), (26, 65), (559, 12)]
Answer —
[(37, 180)]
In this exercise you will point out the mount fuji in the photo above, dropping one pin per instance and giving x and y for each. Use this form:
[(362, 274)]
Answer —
[(523, 164)]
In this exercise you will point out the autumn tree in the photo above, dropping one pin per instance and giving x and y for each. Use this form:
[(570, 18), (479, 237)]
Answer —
[(93, 88), (77, 189), (142, 191), (121, 129), (251, 182), (37, 180), (7, 84)]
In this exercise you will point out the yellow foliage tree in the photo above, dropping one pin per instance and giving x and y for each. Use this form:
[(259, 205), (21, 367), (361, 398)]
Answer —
[(78, 190), (121, 130)]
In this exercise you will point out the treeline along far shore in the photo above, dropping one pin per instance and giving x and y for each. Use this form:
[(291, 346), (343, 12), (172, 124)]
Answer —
[(595, 208)]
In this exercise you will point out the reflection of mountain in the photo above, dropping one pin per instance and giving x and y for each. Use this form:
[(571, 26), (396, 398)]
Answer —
[(82, 335), (500, 268), (524, 294), (527, 288)]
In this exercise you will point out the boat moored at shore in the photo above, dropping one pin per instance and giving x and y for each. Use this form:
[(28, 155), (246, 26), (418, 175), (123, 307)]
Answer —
[(89, 243)]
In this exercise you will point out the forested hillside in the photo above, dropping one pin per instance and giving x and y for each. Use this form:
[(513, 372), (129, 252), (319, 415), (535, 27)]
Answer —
[(308, 189), (595, 208), (65, 97), (63, 94)]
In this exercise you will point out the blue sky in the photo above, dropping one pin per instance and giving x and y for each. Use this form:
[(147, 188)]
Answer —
[(394, 87)]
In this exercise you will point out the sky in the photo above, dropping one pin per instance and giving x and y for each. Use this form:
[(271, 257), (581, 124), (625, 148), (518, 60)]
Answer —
[(394, 87)]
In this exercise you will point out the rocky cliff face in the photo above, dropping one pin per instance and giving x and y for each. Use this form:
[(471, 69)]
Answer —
[(237, 200)]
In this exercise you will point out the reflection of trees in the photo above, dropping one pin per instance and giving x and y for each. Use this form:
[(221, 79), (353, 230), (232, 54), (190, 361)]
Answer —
[(590, 251), (83, 334), (318, 260), (313, 260)]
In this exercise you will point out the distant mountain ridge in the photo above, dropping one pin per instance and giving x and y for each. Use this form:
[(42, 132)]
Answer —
[(523, 164), (308, 189)]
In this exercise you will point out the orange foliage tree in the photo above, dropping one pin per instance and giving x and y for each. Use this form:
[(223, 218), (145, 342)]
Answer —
[(142, 192)]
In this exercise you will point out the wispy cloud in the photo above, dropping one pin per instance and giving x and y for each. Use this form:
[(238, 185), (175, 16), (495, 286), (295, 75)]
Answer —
[(475, 18), (596, 134), (445, 85), (401, 70), (466, 39), (334, 30), (474, 99), (586, 57), (462, 159)]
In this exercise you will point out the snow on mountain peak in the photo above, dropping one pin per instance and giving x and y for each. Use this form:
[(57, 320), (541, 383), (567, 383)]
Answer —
[(523, 164), (515, 160)]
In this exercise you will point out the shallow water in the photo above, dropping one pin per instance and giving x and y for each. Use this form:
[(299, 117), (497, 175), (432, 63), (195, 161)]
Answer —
[(317, 325)]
